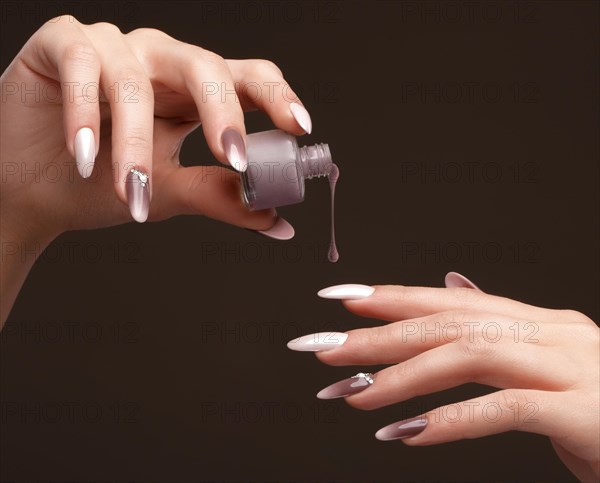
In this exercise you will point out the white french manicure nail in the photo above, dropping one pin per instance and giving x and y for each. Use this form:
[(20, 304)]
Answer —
[(349, 291), (85, 151), (301, 116), (319, 342)]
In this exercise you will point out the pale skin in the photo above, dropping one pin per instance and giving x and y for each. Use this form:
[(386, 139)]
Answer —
[(164, 82), (558, 373), (545, 362)]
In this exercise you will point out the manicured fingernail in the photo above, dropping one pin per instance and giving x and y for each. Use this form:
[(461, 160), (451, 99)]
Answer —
[(347, 387), (301, 116), (235, 149), (456, 280), (349, 291), (402, 429), (281, 230), (138, 194), (85, 151), (319, 342)]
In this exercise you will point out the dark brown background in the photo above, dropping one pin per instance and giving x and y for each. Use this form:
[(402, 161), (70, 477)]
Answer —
[(157, 352)]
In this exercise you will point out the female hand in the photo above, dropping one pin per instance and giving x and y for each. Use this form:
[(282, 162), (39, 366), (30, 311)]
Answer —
[(546, 363), (121, 105)]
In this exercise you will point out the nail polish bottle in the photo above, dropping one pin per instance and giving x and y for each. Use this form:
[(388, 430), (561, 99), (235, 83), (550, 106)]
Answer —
[(278, 167)]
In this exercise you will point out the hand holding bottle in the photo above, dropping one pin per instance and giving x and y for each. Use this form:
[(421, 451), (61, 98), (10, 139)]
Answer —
[(92, 125)]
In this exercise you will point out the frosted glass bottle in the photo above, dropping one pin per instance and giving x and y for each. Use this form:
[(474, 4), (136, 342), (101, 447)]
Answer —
[(278, 167)]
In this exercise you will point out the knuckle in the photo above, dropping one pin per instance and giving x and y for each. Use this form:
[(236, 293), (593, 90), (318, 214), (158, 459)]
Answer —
[(129, 73), (149, 33), (207, 56), (139, 140), (393, 332), (69, 19), (574, 316), (372, 337), (265, 68), (513, 402), (81, 52), (453, 317), (466, 297), (131, 76), (52, 28), (205, 61), (107, 28), (85, 105), (580, 324), (399, 373), (476, 345), (592, 333)]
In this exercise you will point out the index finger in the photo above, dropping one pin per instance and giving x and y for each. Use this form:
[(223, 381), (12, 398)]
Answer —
[(398, 302)]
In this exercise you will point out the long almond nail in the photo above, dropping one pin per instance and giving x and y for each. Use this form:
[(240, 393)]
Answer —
[(347, 387), (456, 280), (281, 230), (301, 116), (138, 194), (319, 342), (85, 151), (349, 291), (235, 149), (402, 429)]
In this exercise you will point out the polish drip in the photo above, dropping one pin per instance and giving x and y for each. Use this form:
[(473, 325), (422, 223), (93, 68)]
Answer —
[(269, 180), (334, 174)]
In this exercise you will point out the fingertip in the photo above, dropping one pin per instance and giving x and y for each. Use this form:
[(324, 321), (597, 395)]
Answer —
[(281, 230), (301, 116), (347, 291), (233, 145), (84, 151), (138, 194), (456, 280)]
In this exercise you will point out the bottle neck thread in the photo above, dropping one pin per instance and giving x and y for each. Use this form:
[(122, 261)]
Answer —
[(315, 160)]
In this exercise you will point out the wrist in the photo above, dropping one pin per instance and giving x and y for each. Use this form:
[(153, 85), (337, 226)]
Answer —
[(22, 241)]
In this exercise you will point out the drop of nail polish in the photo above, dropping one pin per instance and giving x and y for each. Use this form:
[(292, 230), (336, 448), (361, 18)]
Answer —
[(333, 254)]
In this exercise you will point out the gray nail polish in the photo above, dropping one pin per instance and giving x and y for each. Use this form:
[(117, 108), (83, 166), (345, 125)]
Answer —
[(402, 429), (347, 387), (137, 186)]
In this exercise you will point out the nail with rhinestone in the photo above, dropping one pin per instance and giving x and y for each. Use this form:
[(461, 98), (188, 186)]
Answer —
[(138, 194), (347, 387)]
